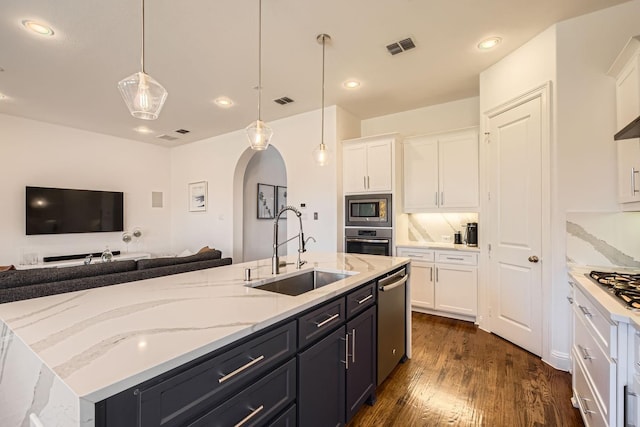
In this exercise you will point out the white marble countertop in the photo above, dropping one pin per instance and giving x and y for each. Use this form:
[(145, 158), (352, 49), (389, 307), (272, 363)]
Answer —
[(102, 341), (438, 245), (603, 299)]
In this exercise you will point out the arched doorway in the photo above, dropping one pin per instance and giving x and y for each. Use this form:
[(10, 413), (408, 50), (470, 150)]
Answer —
[(253, 236)]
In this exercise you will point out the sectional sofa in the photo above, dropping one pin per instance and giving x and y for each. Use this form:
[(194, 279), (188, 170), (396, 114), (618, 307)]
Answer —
[(16, 285)]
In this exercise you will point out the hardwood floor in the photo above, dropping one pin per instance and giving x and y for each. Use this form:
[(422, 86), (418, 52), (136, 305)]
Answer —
[(462, 376)]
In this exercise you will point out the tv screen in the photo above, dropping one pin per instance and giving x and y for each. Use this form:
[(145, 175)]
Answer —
[(61, 211)]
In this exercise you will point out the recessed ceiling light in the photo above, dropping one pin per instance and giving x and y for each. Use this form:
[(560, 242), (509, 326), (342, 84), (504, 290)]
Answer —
[(3, 96), (38, 28), (223, 102), (143, 129), (489, 43), (351, 84)]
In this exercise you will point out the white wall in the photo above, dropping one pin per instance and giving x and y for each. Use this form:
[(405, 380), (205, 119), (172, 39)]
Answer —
[(432, 119), (40, 154), (222, 161), (265, 167)]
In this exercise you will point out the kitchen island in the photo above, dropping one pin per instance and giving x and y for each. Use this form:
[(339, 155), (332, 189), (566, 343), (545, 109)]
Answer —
[(62, 354)]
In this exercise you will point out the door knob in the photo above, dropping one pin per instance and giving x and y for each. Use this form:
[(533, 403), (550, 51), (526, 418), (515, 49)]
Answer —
[(533, 258)]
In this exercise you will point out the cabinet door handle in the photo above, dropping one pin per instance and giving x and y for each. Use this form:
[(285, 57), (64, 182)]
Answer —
[(346, 351), (585, 353), (633, 181), (441, 198), (368, 183), (367, 298), (585, 408), (431, 274), (435, 198), (364, 182), (321, 324), (436, 274), (585, 311), (253, 413), (353, 346), (240, 369)]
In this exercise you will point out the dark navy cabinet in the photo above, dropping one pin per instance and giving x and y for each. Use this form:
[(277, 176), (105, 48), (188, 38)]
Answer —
[(361, 369)]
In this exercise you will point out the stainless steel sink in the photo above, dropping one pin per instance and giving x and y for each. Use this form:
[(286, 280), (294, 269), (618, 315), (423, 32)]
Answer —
[(305, 282)]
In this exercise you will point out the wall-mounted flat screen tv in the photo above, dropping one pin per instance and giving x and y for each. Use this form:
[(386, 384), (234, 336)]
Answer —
[(61, 211)]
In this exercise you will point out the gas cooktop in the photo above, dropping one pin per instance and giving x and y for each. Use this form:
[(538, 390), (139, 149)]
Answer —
[(625, 286)]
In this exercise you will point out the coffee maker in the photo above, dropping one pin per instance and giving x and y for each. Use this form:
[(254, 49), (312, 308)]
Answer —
[(471, 235)]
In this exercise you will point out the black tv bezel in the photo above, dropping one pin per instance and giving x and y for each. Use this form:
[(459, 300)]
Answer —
[(32, 233)]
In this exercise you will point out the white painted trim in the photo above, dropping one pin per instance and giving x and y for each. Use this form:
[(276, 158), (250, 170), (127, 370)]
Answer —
[(544, 93)]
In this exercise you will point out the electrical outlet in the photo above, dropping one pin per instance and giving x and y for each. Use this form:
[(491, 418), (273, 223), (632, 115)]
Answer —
[(446, 238), (315, 216)]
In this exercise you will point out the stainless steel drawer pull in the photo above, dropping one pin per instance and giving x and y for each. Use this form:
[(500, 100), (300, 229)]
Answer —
[(454, 258), (585, 408), (585, 353), (353, 346), (251, 415), (585, 310), (346, 350), (240, 369), (367, 298), (321, 324)]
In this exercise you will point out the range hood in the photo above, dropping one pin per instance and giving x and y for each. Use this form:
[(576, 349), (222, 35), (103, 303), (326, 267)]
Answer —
[(632, 130)]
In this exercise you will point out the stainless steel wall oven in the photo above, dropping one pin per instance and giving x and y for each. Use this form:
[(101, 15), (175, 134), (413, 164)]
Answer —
[(373, 241)]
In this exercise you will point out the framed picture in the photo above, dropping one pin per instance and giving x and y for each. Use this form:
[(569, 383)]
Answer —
[(198, 196), (281, 200), (266, 201)]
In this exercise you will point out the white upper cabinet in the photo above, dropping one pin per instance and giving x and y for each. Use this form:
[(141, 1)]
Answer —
[(368, 165), (441, 171), (626, 71)]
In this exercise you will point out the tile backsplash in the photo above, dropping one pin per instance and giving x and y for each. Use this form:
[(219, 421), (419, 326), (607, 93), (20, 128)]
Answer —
[(603, 239), (432, 227)]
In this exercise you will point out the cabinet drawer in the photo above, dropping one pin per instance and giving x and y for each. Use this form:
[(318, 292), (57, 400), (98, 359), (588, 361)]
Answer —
[(458, 257), (172, 401), (361, 299), (589, 409), (598, 367), (599, 326), (636, 351), (419, 254), (286, 419), (320, 321), (258, 403)]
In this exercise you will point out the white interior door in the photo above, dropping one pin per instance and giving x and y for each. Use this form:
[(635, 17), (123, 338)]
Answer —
[(515, 235)]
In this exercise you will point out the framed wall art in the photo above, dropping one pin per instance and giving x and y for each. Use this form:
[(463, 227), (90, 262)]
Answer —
[(266, 201), (198, 196), (281, 199)]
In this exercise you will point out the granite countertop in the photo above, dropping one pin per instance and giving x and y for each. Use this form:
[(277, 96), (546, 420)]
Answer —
[(102, 341), (438, 245), (603, 299)]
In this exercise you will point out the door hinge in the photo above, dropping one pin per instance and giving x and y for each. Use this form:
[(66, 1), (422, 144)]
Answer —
[(489, 249), (488, 195)]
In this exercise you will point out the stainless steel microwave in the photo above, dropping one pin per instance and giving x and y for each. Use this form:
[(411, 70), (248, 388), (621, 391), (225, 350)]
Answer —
[(368, 210)]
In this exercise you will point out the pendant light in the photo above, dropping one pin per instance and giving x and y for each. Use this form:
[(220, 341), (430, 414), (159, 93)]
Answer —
[(143, 95), (321, 154), (258, 132)]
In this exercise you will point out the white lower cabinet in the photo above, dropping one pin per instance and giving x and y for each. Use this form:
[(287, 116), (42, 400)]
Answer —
[(599, 355), (443, 281)]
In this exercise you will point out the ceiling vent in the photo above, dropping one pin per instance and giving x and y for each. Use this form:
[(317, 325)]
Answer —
[(166, 137), (401, 46), (283, 101), (183, 131)]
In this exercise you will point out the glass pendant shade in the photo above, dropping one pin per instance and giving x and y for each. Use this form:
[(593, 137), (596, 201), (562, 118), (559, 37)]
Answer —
[(259, 135), (143, 95), (321, 155)]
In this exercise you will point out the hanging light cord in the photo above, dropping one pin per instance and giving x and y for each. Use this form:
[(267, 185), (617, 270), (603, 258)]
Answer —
[(259, 57), (324, 39), (142, 56)]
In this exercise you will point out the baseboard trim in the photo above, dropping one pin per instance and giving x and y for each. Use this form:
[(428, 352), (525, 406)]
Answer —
[(559, 360)]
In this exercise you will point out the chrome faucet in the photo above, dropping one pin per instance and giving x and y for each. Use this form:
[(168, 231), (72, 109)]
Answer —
[(275, 259)]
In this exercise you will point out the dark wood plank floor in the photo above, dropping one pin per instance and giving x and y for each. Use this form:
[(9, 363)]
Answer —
[(462, 376)]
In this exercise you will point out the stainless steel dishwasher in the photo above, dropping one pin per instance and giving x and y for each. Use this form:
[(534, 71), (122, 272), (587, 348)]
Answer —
[(391, 321)]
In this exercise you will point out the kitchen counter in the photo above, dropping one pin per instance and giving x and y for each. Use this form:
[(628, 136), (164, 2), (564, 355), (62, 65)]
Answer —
[(599, 296), (62, 353), (438, 245)]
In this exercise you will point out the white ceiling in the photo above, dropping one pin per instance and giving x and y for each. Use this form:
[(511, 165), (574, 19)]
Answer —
[(201, 49)]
